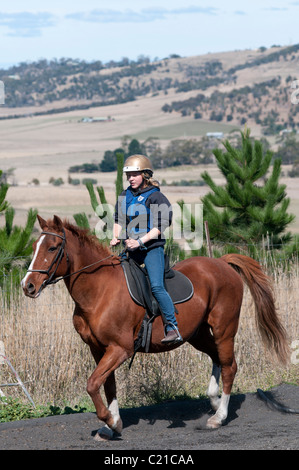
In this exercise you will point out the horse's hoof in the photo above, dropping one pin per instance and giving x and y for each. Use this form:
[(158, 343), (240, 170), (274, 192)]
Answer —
[(104, 434), (119, 427), (213, 423)]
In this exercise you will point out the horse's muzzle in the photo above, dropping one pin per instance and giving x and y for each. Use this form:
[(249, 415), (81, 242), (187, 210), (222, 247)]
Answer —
[(30, 289)]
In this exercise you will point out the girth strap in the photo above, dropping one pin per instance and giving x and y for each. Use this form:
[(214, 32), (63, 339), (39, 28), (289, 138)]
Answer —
[(144, 335)]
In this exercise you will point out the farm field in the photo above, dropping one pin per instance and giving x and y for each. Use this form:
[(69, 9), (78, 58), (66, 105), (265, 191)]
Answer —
[(42, 147)]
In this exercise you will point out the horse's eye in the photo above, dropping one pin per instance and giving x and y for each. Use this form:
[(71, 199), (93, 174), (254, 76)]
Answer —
[(52, 248)]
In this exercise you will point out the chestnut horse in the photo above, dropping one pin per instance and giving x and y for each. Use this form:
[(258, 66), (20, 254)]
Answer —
[(108, 320)]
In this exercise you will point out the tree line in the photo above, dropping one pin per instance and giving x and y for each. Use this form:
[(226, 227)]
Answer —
[(46, 81), (178, 152), (184, 152), (257, 102)]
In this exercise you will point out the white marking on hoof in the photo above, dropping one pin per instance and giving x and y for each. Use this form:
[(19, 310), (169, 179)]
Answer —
[(119, 427), (215, 402), (117, 422), (221, 414), (213, 423)]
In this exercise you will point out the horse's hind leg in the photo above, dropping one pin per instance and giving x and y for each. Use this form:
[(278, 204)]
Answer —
[(228, 372), (204, 341), (213, 388), (221, 351)]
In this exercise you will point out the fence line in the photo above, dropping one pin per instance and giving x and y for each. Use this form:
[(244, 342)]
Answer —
[(14, 372)]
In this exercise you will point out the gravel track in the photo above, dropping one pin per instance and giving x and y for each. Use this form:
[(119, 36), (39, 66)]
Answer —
[(173, 426)]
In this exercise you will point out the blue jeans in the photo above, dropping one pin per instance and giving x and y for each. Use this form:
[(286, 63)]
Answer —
[(154, 263)]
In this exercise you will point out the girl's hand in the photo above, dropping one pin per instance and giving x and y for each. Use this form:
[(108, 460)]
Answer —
[(114, 241), (132, 244)]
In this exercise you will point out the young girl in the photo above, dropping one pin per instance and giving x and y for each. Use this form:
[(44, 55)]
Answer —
[(142, 214)]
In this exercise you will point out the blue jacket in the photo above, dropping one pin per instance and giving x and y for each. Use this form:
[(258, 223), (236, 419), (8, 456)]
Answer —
[(138, 212)]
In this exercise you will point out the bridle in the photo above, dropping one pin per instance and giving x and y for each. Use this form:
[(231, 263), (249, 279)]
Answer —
[(57, 261)]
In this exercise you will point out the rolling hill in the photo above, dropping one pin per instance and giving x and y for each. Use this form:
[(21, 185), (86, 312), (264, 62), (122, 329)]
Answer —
[(252, 86)]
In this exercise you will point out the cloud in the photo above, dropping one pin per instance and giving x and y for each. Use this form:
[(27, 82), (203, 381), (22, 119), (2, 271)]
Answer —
[(30, 24), (26, 24), (276, 9), (143, 16)]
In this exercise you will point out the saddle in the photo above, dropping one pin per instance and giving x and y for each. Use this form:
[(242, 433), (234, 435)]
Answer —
[(178, 286)]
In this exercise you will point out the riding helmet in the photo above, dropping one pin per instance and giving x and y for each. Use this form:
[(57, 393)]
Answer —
[(137, 163)]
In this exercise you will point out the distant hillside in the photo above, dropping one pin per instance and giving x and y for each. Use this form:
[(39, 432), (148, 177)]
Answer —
[(231, 87)]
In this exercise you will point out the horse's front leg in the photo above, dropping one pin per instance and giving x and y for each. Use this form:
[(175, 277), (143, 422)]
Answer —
[(107, 432), (104, 374)]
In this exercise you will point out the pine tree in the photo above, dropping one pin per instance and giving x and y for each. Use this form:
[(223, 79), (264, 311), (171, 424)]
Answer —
[(101, 207), (252, 205), (15, 241), (3, 190)]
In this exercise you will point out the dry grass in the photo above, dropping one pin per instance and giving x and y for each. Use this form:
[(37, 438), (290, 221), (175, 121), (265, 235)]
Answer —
[(51, 359)]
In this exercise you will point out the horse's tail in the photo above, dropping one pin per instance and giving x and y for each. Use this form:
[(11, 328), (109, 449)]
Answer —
[(272, 331)]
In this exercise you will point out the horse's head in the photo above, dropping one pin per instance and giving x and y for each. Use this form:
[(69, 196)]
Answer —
[(49, 260)]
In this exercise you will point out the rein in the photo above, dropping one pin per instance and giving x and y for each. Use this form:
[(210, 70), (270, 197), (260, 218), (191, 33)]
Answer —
[(57, 260)]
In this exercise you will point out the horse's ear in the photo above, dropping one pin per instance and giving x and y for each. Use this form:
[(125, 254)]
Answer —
[(58, 222), (42, 222)]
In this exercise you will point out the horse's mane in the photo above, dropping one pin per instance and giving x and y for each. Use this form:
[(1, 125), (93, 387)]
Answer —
[(84, 236)]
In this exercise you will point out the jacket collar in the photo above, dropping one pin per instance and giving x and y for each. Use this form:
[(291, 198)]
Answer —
[(141, 191)]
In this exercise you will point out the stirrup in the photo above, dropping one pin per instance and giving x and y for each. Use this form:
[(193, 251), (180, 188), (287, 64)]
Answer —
[(173, 326), (178, 338)]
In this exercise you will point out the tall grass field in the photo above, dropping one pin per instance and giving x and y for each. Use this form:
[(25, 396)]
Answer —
[(54, 363)]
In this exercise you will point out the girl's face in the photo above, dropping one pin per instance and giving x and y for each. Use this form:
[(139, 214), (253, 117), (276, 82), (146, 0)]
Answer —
[(135, 179)]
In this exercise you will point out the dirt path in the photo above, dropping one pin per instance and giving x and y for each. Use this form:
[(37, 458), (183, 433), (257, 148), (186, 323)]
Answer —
[(174, 427)]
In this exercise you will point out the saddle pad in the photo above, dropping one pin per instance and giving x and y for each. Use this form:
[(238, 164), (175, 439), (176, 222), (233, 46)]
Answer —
[(179, 287)]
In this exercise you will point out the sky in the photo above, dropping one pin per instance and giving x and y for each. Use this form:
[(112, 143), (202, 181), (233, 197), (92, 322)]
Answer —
[(113, 29)]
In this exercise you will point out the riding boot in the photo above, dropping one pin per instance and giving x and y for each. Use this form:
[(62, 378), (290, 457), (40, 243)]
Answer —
[(172, 336)]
